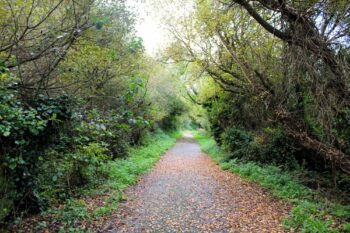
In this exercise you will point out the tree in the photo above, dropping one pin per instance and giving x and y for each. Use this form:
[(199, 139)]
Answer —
[(273, 74), (37, 36)]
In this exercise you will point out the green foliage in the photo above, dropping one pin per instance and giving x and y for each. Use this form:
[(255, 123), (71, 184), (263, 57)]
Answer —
[(136, 44), (25, 134), (165, 90), (72, 210), (73, 101), (118, 175), (124, 172), (275, 147), (176, 108), (111, 129), (304, 217), (278, 149), (226, 111), (344, 134), (311, 213), (289, 97), (236, 141), (51, 149)]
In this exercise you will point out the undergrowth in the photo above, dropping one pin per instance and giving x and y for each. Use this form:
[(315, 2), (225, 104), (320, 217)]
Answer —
[(76, 213), (311, 213)]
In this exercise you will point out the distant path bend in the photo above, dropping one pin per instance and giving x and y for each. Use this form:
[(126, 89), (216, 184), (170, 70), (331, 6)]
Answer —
[(187, 192)]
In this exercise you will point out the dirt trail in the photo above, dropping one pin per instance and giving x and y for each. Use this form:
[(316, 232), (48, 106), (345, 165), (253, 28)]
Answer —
[(187, 192)]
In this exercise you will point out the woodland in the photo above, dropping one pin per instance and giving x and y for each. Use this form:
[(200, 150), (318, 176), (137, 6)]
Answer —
[(84, 109)]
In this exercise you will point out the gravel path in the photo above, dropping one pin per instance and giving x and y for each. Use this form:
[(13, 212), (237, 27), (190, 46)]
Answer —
[(187, 192)]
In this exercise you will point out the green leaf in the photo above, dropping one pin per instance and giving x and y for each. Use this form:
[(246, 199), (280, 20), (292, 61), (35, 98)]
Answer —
[(6, 134), (12, 165)]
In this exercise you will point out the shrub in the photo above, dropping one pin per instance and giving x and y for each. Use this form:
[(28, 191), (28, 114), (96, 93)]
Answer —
[(108, 129), (236, 141), (26, 130), (175, 108), (119, 174), (62, 174), (277, 148), (311, 212)]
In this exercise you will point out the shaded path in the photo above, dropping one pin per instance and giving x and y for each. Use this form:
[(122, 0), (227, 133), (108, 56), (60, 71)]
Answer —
[(187, 192)]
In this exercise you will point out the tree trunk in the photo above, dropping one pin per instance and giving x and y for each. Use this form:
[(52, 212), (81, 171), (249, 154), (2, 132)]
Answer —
[(329, 153)]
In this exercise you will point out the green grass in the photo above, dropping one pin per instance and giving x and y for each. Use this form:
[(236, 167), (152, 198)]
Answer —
[(121, 173), (311, 212), (125, 172)]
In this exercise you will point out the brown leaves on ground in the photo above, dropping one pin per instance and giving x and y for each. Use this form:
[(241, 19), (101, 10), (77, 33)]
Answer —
[(188, 192), (185, 192)]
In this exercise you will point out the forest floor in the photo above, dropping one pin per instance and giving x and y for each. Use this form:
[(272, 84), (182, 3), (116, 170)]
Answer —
[(187, 192)]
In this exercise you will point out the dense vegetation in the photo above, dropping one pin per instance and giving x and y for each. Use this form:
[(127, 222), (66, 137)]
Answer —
[(274, 65), (77, 92), (100, 199), (79, 96), (273, 77), (273, 80), (311, 212)]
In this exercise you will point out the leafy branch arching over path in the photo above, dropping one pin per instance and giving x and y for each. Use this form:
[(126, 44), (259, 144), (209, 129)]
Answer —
[(188, 192)]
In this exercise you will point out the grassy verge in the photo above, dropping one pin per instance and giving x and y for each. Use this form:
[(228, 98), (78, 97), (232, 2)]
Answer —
[(82, 214), (312, 212)]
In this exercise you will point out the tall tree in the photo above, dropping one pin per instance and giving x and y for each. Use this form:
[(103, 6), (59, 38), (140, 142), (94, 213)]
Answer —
[(298, 76)]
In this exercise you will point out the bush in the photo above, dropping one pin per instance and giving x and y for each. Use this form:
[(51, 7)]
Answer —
[(276, 148), (108, 128), (236, 141), (311, 211), (52, 146), (119, 174), (62, 174), (176, 108), (47, 147), (26, 130)]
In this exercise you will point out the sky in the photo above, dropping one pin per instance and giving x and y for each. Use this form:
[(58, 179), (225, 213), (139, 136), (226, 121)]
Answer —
[(150, 25)]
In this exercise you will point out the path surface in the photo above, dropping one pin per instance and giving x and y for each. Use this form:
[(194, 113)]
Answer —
[(187, 192)]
